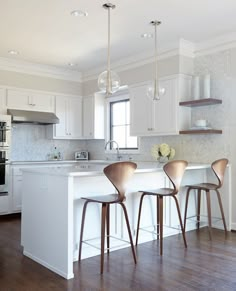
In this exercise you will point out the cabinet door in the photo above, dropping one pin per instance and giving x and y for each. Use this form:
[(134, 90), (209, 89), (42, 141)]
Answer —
[(88, 117), (60, 130), (3, 109), (165, 109), (74, 117), (43, 102), (19, 100), (140, 111), (30, 101), (17, 193), (93, 117)]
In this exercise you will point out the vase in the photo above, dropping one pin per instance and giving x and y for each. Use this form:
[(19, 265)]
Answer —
[(163, 159)]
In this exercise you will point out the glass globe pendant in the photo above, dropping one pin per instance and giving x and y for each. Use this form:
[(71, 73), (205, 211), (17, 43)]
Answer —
[(154, 91), (108, 81)]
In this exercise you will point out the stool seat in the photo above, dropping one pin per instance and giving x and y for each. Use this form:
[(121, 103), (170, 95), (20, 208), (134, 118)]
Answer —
[(203, 186), (218, 167), (109, 198), (159, 191)]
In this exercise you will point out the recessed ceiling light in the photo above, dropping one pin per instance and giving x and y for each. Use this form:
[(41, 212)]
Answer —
[(72, 64), (13, 52), (146, 35), (79, 13)]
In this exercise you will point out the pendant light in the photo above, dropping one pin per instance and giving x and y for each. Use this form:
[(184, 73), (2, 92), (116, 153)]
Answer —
[(154, 92), (108, 81)]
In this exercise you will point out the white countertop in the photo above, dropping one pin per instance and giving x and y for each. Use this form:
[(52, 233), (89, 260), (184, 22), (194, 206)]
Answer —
[(94, 168)]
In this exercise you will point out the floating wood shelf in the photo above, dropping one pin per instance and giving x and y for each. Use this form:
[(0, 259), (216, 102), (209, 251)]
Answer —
[(200, 102), (201, 131)]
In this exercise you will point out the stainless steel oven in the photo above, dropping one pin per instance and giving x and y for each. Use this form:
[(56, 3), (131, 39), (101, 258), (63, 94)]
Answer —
[(5, 141), (5, 131), (4, 172)]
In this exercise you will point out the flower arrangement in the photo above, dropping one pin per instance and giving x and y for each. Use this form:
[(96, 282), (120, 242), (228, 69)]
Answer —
[(160, 151)]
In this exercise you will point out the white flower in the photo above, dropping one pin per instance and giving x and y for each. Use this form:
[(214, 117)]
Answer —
[(162, 150)]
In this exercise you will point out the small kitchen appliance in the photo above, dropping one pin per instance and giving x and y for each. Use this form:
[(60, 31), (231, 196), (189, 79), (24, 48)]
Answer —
[(81, 155)]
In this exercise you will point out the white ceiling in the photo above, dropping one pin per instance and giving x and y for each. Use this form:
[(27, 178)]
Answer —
[(44, 32)]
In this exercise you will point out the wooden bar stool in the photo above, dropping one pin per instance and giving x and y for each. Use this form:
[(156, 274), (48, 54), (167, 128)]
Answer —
[(175, 171), (118, 174), (218, 168)]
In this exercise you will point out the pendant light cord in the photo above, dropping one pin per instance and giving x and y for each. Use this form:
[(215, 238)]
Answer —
[(155, 58), (108, 56)]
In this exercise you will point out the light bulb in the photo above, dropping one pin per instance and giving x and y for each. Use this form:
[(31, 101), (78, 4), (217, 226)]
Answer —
[(154, 92), (109, 82)]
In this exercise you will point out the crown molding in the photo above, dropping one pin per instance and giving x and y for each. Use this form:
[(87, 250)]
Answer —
[(11, 65), (182, 47), (214, 45)]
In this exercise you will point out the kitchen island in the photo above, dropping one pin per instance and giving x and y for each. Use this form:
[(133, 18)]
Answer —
[(52, 208)]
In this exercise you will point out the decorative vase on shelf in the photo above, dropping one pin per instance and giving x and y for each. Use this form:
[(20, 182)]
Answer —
[(163, 159)]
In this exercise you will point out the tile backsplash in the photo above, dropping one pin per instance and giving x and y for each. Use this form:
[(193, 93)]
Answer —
[(30, 143)]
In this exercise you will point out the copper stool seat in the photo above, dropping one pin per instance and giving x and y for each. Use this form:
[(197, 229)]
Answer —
[(218, 168), (118, 174), (175, 171)]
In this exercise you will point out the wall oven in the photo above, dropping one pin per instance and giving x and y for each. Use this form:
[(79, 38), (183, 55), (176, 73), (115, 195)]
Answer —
[(5, 138), (4, 172)]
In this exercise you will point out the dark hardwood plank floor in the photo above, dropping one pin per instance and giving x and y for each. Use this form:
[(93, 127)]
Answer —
[(204, 265)]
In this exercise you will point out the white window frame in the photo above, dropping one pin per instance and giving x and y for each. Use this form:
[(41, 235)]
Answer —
[(119, 96)]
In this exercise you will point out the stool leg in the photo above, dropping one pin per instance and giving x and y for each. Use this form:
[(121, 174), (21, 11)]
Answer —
[(186, 208), (82, 228), (103, 222), (139, 217), (209, 212), (180, 220), (222, 211), (161, 223), (108, 228), (158, 222), (198, 207), (129, 231)]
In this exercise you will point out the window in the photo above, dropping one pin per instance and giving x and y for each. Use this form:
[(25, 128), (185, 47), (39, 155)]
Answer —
[(120, 125)]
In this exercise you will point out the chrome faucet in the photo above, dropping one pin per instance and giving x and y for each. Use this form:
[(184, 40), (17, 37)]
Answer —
[(117, 148)]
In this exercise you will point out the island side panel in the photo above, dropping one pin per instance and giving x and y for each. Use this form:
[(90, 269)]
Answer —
[(47, 221)]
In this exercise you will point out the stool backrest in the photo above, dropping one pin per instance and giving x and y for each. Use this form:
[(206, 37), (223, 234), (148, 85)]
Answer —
[(175, 171), (218, 168), (119, 173)]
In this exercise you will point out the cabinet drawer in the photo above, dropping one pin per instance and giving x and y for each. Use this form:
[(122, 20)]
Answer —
[(4, 204)]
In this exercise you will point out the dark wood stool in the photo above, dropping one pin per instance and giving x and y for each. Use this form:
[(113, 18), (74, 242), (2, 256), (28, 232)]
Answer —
[(218, 168), (174, 170), (118, 173)]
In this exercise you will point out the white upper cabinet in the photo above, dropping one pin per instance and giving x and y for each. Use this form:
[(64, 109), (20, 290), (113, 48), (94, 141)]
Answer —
[(69, 111), (93, 117), (3, 109), (29, 100), (164, 116)]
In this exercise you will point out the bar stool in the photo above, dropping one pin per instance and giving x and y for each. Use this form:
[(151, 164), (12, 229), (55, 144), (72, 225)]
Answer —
[(118, 174), (175, 171), (218, 168)]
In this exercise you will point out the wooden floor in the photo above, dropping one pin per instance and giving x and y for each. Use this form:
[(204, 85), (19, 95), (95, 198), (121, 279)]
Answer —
[(204, 265)]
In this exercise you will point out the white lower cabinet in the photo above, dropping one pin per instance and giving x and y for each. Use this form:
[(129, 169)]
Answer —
[(69, 112), (164, 116), (4, 204), (16, 193)]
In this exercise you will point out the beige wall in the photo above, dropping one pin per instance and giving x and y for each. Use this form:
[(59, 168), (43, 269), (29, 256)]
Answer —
[(168, 66), (27, 81)]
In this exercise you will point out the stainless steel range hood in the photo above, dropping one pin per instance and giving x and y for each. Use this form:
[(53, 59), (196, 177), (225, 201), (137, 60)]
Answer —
[(36, 117)]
